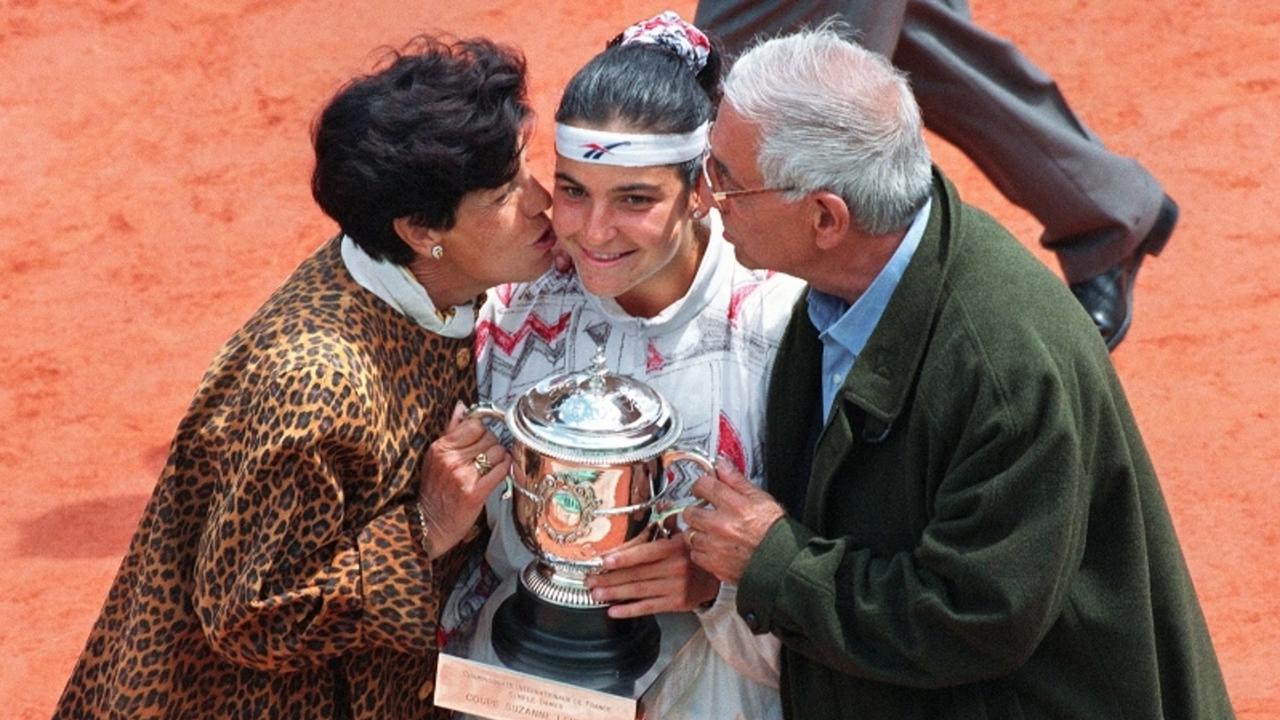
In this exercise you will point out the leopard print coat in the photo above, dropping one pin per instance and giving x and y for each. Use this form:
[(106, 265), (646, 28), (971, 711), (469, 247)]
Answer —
[(276, 570)]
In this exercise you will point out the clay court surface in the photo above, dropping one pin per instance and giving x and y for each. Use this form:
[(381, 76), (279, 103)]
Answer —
[(154, 161)]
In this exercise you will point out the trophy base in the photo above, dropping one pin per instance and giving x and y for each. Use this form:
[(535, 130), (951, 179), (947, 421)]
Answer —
[(471, 679), (580, 645)]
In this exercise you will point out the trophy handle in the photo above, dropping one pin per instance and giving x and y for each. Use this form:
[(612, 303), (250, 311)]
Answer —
[(486, 410), (665, 504), (489, 411)]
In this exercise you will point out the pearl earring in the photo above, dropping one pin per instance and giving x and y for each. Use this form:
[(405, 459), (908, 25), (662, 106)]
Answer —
[(437, 252)]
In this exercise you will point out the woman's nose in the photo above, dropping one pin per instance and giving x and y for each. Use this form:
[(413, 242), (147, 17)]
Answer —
[(536, 197), (598, 229)]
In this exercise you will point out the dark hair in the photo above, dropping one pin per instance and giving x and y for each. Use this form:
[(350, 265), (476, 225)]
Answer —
[(444, 118), (646, 86)]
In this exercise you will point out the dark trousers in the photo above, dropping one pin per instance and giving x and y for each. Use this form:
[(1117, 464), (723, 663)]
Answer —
[(977, 91)]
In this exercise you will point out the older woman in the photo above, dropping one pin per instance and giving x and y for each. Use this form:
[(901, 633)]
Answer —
[(321, 490)]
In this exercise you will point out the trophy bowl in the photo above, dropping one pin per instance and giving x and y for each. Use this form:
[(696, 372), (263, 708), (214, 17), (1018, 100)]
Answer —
[(593, 459)]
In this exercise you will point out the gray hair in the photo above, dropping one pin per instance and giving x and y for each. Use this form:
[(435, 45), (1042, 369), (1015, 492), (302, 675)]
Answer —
[(834, 116)]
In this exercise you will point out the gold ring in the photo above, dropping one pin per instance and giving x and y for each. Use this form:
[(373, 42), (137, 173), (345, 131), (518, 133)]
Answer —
[(691, 534), (483, 466)]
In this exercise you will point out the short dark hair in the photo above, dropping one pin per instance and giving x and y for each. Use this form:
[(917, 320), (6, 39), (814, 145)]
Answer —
[(646, 86), (444, 118)]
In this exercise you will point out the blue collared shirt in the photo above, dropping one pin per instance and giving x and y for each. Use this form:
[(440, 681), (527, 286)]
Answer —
[(844, 329)]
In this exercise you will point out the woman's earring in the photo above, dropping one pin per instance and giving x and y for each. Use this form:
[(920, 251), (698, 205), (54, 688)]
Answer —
[(437, 252), (699, 213)]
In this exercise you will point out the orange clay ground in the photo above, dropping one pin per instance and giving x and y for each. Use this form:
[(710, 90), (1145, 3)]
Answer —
[(154, 162)]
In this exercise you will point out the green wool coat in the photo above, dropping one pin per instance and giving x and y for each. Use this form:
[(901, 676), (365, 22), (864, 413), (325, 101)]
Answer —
[(978, 531)]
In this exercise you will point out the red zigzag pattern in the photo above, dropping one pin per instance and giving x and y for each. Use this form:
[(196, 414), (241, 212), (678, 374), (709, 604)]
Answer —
[(486, 330)]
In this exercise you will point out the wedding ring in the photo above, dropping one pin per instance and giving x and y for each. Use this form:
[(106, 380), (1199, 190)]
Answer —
[(691, 534), (483, 466)]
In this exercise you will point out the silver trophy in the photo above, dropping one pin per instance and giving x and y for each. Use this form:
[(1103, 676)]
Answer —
[(592, 456)]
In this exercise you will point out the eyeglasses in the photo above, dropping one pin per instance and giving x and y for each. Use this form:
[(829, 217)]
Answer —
[(719, 196)]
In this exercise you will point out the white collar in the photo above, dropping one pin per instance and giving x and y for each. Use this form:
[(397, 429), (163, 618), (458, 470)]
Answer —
[(397, 287)]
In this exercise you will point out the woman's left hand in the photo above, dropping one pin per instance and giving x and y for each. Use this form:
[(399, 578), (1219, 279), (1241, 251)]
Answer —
[(650, 578)]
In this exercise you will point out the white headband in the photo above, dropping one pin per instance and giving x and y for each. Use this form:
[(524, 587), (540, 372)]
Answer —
[(628, 150)]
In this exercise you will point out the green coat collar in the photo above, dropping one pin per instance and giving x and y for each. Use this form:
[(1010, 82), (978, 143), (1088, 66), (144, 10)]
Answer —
[(878, 384), (882, 376)]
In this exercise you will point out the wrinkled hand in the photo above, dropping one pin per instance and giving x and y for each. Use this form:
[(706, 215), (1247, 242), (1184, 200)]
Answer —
[(451, 491), (650, 578), (723, 538)]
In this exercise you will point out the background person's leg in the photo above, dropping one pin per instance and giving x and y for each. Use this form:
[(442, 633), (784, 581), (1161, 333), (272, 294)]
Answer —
[(735, 23), (980, 93)]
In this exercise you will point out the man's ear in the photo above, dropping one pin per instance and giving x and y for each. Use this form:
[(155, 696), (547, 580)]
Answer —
[(830, 219), (419, 239)]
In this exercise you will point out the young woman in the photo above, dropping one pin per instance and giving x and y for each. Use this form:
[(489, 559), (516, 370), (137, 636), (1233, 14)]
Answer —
[(659, 289)]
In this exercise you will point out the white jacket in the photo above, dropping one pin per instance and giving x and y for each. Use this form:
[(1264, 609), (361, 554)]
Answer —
[(709, 354)]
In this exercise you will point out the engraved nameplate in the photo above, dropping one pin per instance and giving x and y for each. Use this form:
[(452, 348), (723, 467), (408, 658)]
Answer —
[(472, 680), (502, 694)]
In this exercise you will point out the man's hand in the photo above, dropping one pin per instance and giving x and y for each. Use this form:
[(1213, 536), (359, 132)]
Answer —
[(650, 578), (723, 538), (451, 488)]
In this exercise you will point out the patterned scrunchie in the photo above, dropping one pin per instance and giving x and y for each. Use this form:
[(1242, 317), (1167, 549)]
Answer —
[(670, 31)]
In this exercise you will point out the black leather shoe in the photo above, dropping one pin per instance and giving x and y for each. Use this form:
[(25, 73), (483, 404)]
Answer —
[(1108, 298)]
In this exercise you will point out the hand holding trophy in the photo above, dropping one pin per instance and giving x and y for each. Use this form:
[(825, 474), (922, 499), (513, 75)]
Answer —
[(589, 476)]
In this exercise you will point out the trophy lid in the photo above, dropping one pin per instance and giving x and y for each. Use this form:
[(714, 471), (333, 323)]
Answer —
[(595, 416)]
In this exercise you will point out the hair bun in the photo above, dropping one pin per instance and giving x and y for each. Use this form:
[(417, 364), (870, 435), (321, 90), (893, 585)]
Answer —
[(670, 31)]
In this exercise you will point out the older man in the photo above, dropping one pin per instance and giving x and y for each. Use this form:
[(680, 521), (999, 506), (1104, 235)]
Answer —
[(966, 521)]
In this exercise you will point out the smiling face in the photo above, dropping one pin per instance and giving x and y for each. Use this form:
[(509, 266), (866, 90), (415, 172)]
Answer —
[(628, 231)]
